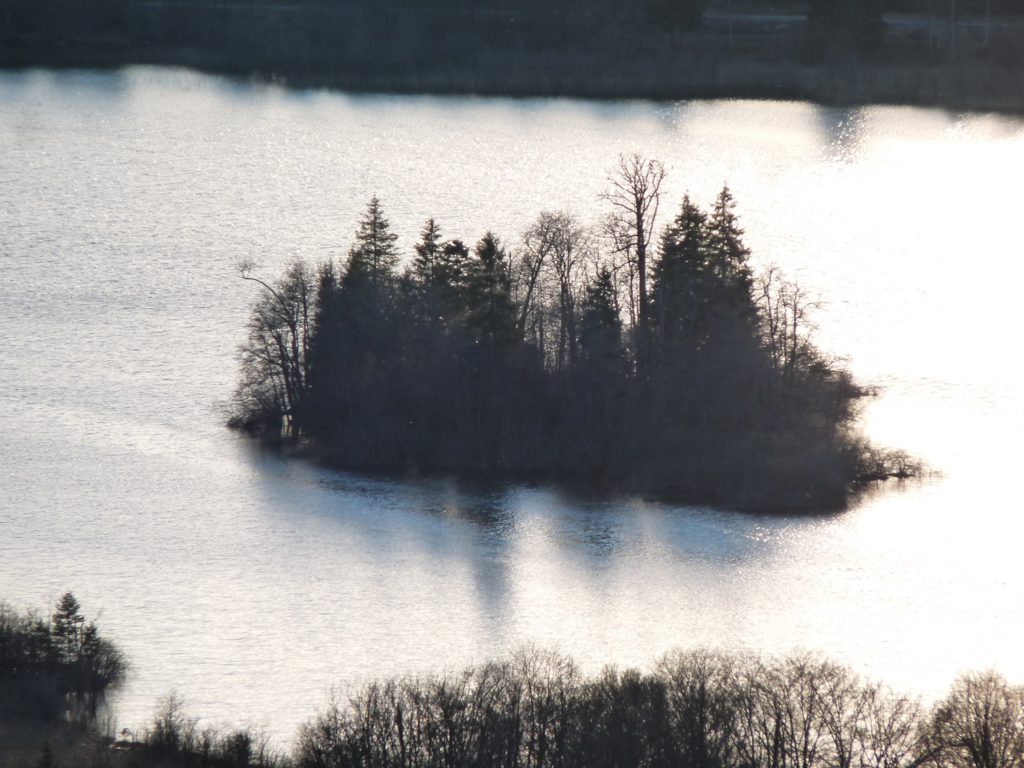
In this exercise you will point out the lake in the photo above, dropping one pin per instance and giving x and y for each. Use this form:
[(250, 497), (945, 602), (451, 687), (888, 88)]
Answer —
[(253, 585)]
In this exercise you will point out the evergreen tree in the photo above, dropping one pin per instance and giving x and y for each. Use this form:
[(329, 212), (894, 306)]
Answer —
[(727, 258), (67, 627), (491, 313), (680, 278), (600, 322), (428, 251), (600, 378), (325, 348), (452, 272), (374, 253)]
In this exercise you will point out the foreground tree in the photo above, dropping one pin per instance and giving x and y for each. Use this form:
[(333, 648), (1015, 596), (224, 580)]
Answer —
[(980, 724), (697, 709)]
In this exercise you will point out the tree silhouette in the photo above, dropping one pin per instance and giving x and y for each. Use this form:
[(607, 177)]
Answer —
[(635, 194), (374, 250), (68, 624), (518, 360)]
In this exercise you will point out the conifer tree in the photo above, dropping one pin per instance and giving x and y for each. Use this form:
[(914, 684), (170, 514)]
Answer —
[(325, 355), (428, 251), (374, 252), (727, 257), (680, 278), (491, 312), (67, 627), (452, 271), (600, 323)]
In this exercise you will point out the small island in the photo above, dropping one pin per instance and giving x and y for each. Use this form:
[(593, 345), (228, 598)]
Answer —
[(600, 357)]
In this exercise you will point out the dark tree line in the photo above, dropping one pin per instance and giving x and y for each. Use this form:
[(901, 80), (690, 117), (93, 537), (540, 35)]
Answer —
[(56, 667), (847, 52), (173, 739), (841, 26), (536, 709), (694, 710), (344, 38), (611, 355)]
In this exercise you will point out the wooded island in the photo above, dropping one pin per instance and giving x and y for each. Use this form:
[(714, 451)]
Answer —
[(611, 358)]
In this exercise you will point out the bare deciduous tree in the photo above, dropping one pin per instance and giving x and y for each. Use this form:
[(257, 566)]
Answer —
[(890, 733), (552, 269), (635, 194), (786, 310), (275, 357), (980, 724), (623, 266)]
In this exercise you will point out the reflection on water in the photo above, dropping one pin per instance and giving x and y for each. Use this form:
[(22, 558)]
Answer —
[(842, 130), (253, 583)]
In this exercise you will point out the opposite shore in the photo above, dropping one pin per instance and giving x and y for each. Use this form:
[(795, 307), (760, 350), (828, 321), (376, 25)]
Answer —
[(522, 48), (980, 87)]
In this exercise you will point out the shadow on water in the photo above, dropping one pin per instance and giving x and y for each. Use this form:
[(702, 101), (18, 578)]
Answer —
[(86, 85), (842, 132), (483, 521), (674, 115)]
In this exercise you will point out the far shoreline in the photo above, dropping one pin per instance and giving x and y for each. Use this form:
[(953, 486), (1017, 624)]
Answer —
[(931, 86)]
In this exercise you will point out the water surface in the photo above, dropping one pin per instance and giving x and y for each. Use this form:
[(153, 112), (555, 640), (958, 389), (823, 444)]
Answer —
[(253, 584)]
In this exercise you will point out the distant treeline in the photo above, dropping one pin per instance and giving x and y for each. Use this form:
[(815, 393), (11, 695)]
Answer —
[(55, 667), (843, 51), (602, 354)]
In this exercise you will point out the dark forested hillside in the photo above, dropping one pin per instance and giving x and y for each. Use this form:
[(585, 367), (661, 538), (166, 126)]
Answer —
[(968, 53), (656, 363)]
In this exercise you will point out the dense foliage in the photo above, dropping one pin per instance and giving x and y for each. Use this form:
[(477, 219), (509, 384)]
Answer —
[(661, 365), (58, 667)]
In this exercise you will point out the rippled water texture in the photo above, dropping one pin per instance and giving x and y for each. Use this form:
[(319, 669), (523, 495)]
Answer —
[(252, 584)]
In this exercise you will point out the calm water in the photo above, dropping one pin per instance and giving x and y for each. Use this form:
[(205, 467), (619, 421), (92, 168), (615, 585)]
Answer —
[(252, 585)]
